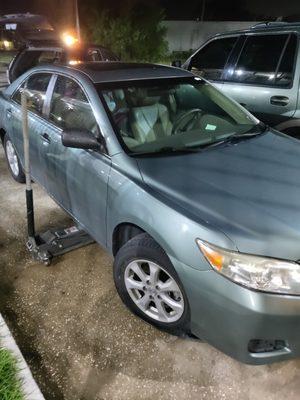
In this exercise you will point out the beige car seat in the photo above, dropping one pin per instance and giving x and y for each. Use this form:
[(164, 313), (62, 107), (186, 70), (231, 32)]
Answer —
[(149, 119)]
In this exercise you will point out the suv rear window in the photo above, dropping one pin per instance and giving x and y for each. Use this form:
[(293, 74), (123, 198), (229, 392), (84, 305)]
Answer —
[(266, 60), (210, 61)]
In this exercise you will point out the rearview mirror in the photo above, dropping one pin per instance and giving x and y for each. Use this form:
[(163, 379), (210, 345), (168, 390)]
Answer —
[(177, 63), (80, 139)]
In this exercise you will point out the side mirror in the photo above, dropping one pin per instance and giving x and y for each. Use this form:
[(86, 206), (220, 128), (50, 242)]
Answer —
[(80, 139), (177, 63)]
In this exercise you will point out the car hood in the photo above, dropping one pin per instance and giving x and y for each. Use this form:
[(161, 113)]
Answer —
[(249, 190)]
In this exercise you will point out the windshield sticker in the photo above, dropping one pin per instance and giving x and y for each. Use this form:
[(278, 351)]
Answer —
[(210, 127)]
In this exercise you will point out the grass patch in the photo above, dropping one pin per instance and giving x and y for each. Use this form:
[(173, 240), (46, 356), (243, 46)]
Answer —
[(10, 385)]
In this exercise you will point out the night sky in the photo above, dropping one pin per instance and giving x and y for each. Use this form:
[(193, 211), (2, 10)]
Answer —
[(175, 9)]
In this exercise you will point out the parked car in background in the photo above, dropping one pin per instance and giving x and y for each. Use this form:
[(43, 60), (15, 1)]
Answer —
[(35, 42), (259, 68), (17, 29), (196, 199)]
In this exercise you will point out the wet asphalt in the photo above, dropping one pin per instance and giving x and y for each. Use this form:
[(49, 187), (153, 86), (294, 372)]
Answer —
[(83, 344)]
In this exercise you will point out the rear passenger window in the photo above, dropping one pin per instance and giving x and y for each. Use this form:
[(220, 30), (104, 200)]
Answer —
[(210, 61), (36, 86), (284, 76), (266, 60), (70, 108)]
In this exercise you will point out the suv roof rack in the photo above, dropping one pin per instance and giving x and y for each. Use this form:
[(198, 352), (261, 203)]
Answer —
[(19, 15), (269, 24)]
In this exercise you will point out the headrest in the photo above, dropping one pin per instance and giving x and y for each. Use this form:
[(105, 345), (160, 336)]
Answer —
[(138, 97), (147, 114)]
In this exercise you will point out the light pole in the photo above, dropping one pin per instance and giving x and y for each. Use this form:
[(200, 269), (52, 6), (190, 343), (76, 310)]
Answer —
[(77, 21)]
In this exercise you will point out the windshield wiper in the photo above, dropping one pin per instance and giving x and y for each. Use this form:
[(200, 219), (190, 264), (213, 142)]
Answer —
[(236, 137), (258, 130), (168, 150)]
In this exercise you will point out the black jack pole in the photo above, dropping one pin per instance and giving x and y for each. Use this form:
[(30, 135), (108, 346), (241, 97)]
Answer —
[(29, 194)]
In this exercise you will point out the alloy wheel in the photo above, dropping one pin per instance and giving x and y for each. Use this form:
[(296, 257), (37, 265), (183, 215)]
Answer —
[(12, 158), (154, 291)]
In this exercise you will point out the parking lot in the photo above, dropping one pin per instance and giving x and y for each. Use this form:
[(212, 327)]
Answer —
[(3, 80), (82, 343)]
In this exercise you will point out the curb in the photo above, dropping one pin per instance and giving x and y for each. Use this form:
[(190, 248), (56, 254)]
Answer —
[(29, 386)]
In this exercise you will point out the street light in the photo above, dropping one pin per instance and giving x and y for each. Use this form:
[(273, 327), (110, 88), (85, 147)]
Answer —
[(77, 21), (69, 39)]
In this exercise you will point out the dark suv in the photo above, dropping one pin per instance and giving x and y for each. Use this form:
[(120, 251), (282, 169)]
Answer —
[(259, 68), (17, 29)]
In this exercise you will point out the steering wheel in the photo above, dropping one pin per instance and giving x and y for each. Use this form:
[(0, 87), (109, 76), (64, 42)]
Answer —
[(187, 120)]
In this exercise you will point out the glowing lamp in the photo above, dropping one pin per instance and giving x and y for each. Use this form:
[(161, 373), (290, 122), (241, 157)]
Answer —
[(69, 39), (74, 62)]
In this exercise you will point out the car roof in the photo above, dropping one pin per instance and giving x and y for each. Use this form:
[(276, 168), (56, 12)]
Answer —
[(116, 71), (22, 17), (265, 27), (56, 44)]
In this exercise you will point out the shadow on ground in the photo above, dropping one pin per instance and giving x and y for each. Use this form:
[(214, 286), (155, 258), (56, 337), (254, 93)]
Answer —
[(83, 344)]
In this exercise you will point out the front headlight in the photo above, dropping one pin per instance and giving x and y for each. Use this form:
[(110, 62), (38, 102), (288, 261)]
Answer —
[(259, 273)]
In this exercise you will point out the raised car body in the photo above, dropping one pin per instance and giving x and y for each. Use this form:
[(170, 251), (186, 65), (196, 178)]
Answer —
[(47, 52), (240, 195)]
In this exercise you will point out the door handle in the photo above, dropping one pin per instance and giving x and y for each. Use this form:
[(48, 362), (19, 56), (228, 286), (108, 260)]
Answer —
[(279, 100), (8, 113), (45, 137)]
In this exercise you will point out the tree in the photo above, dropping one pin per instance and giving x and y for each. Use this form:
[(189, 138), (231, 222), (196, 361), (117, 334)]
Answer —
[(136, 35)]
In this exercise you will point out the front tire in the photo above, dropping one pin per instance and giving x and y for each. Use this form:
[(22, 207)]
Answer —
[(13, 161), (149, 285)]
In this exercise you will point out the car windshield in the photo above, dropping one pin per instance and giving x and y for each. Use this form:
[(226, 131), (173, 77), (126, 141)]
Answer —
[(173, 114)]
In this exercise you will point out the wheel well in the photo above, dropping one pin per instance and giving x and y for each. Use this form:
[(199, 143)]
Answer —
[(2, 134), (123, 233), (292, 131)]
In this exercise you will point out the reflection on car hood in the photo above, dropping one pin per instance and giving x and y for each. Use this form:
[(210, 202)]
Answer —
[(250, 191)]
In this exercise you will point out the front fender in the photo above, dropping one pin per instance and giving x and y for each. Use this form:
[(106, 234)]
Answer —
[(130, 201)]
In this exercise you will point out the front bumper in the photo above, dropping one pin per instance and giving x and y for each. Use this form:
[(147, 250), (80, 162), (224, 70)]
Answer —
[(229, 316)]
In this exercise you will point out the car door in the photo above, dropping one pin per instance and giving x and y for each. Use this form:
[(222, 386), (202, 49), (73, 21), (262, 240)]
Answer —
[(210, 60), (264, 77), (76, 178), (36, 85)]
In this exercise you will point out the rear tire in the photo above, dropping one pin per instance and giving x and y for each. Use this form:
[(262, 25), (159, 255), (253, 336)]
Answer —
[(149, 285), (13, 161)]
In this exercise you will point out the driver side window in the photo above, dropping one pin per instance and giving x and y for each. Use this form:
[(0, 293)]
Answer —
[(70, 108)]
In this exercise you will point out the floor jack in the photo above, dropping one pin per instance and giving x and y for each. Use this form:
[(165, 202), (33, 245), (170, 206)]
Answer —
[(45, 246)]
